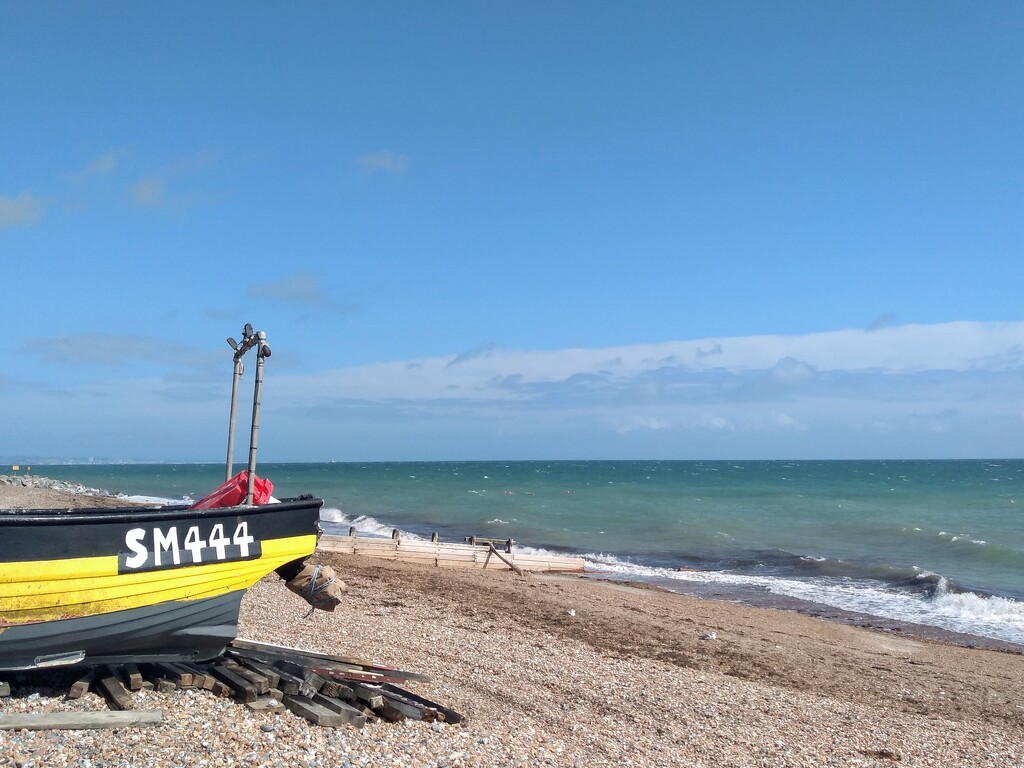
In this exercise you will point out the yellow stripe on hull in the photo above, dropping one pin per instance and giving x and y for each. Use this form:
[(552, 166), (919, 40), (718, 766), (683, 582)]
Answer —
[(60, 589)]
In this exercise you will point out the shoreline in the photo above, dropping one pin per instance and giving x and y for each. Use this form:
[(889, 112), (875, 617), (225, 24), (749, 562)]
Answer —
[(575, 671), (755, 597), (17, 490)]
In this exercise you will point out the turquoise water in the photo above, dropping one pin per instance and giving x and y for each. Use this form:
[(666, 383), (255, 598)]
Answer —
[(934, 542)]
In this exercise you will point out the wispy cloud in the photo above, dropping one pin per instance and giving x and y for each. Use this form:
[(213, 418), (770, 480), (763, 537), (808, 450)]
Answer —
[(105, 350), (884, 320), (156, 190), (149, 193), (101, 165), (301, 288), (24, 210), (385, 161)]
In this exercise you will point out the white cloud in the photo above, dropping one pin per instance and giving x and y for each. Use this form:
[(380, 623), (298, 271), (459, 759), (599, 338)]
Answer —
[(151, 191), (790, 371), (148, 193), (101, 165), (950, 390), (107, 350), (905, 350), (300, 288), (641, 423), (22, 210), (384, 161)]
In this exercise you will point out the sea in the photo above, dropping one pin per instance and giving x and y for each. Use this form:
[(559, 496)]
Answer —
[(934, 548)]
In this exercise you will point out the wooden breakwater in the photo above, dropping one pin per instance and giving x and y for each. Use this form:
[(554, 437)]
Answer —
[(480, 553)]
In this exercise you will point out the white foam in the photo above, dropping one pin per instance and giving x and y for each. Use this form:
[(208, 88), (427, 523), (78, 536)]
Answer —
[(159, 500), (362, 523), (995, 617)]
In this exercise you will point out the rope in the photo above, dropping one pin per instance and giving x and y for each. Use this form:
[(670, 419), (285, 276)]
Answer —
[(312, 587)]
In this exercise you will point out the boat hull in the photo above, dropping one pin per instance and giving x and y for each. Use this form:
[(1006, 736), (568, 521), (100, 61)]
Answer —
[(107, 586)]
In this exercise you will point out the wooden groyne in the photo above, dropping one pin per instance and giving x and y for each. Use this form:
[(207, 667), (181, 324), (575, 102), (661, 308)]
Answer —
[(479, 553)]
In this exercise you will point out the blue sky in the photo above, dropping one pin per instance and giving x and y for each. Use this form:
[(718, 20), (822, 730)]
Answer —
[(514, 230)]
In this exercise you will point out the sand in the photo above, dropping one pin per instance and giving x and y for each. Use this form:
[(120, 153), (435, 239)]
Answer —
[(634, 677)]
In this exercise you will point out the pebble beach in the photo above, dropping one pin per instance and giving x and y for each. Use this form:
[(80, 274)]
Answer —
[(565, 671)]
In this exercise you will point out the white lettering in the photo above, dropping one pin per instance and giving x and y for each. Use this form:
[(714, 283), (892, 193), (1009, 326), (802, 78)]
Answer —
[(167, 549), (133, 540), (194, 544), (219, 541), (166, 542), (242, 539)]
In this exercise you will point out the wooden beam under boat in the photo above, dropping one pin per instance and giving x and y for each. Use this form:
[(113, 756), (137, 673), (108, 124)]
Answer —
[(447, 555)]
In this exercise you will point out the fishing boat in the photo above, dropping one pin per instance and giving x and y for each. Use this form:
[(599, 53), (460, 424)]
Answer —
[(155, 583)]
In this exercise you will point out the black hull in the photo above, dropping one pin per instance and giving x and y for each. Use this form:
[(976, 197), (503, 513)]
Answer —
[(179, 631)]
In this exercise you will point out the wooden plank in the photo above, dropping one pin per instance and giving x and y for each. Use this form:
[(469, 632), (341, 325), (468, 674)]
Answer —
[(179, 675), (459, 554), (133, 677), (289, 683), (202, 675), (113, 690), (77, 721), (245, 690), (419, 557), (462, 557), (371, 697), (356, 677), (267, 651), (375, 542), (313, 681), (82, 685), (307, 685), (261, 683), (387, 712), (410, 709), (450, 715), (336, 689), (492, 551), (376, 546), (352, 715), (265, 703), (341, 544), (433, 548), (315, 713), (271, 674)]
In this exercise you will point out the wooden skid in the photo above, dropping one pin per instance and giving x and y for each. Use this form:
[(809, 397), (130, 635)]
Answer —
[(269, 653), (448, 715), (326, 690), (113, 690), (447, 555), (315, 713)]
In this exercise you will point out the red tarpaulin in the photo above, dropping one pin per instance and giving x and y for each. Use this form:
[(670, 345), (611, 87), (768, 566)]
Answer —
[(232, 493)]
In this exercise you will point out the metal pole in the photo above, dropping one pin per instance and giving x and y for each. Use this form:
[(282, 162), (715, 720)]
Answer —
[(262, 351), (237, 377)]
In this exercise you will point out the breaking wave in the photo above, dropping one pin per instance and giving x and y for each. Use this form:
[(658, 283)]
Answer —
[(923, 598)]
